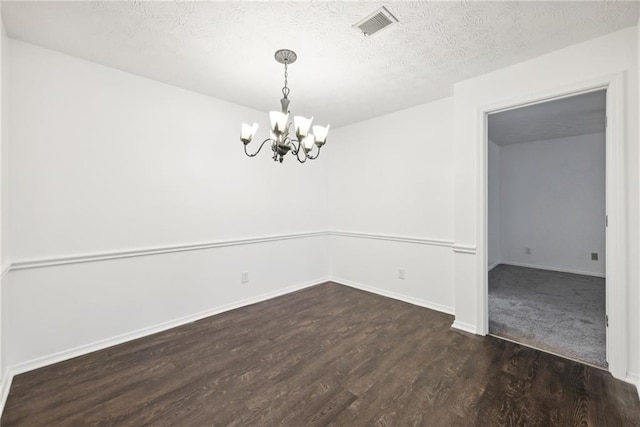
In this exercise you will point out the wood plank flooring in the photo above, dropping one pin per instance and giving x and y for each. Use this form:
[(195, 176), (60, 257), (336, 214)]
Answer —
[(326, 355)]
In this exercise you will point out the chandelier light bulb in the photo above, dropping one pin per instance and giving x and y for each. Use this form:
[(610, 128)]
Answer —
[(248, 132), (321, 134), (278, 121), (302, 126), (308, 142)]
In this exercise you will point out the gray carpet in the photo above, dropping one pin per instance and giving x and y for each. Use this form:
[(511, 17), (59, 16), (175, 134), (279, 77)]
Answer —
[(559, 312)]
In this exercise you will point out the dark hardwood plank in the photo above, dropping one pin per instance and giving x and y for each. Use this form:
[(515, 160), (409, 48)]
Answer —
[(327, 355)]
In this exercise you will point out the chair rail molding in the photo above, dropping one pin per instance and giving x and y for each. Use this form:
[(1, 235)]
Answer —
[(26, 264), (76, 259), (464, 249), (392, 238)]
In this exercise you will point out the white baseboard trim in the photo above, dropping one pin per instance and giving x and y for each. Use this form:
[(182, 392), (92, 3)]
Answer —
[(543, 267), (494, 265), (400, 297), (633, 378), (467, 327), (150, 330), (5, 386)]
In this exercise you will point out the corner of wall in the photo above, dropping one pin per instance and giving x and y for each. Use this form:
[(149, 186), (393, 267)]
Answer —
[(5, 386), (5, 375), (637, 378)]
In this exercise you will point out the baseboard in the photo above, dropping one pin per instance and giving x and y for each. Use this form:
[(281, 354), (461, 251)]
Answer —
[(150, 330), (633, 378), (5, 386), (400, 297), (467, 327), (558, 269), (494, 265)]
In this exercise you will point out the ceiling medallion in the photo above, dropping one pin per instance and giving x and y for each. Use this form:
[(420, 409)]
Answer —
[(281, 143)]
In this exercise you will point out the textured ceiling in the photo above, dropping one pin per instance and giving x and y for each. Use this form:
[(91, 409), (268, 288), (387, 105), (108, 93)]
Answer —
[(577, 115), (225, 49)]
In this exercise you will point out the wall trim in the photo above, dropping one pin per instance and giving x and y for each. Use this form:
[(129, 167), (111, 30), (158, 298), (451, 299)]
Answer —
[(149, 330), (105, 256), (633, 378), (544, 267), (51, 262), (5, 387), (390, 238), (394, 295), (464, 249), (466, 327), (495, 264)]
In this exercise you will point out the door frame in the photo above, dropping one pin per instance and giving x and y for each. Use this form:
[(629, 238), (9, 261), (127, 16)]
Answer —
[(615, 188)]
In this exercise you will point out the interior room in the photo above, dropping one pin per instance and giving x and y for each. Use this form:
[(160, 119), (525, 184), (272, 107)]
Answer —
[(276, 213), (547, 226)]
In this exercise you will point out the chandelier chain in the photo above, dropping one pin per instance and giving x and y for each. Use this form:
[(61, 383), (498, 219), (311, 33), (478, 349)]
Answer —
[(285, 89)]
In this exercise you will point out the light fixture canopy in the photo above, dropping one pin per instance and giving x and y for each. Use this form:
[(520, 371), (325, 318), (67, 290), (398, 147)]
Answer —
[(281, 142)]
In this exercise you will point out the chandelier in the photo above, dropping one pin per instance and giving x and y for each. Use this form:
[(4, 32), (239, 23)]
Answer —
[(281, 143)]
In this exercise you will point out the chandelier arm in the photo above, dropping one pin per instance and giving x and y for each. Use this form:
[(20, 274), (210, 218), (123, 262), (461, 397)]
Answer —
[(316, 156), (299, 149), (304, 159), (296, 148), (259, 148)]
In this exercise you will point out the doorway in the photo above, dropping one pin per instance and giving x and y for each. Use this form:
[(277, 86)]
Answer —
[(616, 231), (546, 226)]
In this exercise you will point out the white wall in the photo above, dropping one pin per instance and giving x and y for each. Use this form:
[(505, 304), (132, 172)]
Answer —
[(552, 200), (62, 311), (493, 204), (390, 178), (106, 162), (581, 62), (119, 162)]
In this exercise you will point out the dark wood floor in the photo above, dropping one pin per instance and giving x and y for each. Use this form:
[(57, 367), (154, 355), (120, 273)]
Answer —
[(327, 355)]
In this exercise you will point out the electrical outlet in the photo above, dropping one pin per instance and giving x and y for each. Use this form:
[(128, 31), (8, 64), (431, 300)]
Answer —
[(401, 273), (594, 256), (244, 277), (527, 251)]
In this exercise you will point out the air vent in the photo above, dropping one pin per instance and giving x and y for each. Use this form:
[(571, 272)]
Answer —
[(376, 22)]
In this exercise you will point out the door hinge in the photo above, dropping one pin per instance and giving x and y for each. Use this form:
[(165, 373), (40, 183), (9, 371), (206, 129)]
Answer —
[(606, 220), (606, 320), (606, 122)]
